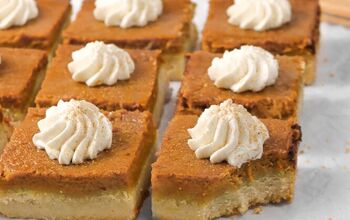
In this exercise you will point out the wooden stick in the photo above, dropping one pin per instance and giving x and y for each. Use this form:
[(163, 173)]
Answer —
[(335, 19), (340, 8)]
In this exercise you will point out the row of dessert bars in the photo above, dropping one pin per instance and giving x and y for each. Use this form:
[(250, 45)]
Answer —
[(80, 103), (216, 158)]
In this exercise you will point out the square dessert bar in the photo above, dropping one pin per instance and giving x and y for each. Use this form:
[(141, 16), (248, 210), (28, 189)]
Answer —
[(173, 33), (21, 73), (299, 37), (280, 101), (112, 186), (184, 187), (145, 90), (42, 32)]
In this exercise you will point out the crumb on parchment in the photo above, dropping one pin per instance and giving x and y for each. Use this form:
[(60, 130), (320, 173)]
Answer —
[(257, 210), (347, 150), (332, 75)]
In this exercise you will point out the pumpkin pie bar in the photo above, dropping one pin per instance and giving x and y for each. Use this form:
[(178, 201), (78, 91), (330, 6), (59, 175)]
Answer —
[(184, 187), (21, 73), (42, 32), (173, 33), (281, 100), (145, 90), (298, 37), (112, 186)]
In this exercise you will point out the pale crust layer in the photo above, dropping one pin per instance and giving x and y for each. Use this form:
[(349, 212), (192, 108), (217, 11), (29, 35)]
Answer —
[(274, 187), (174, 63)]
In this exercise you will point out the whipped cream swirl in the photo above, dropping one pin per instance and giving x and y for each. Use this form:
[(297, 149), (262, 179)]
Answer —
[(246, 69), (128, 13), (228, 132), (73, 132), (17, 12), (259, 15), (98, 63)]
